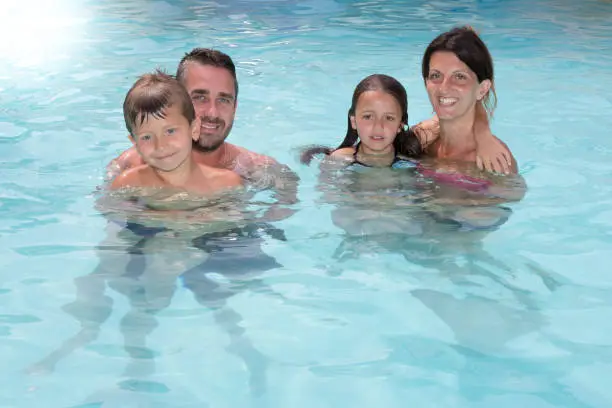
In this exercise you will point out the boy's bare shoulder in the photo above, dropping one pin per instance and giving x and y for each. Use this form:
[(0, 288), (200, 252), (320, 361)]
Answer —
[(220, 177), (126, 160), (232, 179), (131, 157), (137, 176), (228, 177)]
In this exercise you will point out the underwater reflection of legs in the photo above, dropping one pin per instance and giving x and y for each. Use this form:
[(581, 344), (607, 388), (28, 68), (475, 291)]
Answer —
[(235, 260), (128, 265), (147, 296), (473, 218), (149, 283), (92, 307), (449, 240), (480, 323), (372, 231), (446, 246), (458, 254), (207, 293)]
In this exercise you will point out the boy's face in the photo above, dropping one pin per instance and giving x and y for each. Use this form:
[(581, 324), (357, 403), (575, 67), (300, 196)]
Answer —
[(165, 143)]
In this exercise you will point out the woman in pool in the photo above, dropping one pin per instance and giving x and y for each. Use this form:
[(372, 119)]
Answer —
[(458, 73)]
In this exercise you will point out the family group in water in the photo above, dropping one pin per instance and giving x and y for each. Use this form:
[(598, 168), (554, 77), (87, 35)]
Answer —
[(179, 124)]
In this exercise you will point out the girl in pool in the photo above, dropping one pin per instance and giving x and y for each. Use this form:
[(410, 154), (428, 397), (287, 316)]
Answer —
[(377, 132), (378, 126)]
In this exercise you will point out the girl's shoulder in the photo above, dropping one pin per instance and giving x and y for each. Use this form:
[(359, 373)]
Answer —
[(345, 152)]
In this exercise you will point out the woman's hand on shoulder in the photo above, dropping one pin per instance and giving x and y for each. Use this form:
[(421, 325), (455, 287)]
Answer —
[(493, 155), (427, 131)]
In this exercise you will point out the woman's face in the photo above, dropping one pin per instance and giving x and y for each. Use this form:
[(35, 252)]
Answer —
[(453, 87)]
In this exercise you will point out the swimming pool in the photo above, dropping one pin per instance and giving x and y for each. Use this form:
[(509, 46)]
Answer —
[(517, 317)]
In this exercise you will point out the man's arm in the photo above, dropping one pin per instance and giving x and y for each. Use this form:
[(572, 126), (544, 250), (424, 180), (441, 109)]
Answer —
[(266, 173)]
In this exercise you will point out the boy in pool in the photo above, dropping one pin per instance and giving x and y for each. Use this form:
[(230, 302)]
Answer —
[(162, 125)]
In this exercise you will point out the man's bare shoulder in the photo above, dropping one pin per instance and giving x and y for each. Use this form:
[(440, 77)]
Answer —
[(256, 159)]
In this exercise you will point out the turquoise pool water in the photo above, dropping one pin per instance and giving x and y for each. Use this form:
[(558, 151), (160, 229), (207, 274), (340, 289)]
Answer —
[(519, 316)]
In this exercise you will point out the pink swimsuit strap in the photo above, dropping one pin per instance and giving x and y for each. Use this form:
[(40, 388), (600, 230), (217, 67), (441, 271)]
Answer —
[(459, 180)]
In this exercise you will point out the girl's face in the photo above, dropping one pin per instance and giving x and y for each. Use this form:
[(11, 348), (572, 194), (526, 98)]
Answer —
[(452, 87), (377, 121)]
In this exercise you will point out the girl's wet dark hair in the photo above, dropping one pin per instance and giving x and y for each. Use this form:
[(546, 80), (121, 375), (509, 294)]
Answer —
[(465, 43), (406, 143)]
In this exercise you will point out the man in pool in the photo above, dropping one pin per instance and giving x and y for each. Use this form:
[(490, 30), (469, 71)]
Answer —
[(210, 79)]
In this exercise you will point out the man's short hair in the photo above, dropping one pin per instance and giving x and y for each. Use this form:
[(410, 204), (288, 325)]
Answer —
[(207, 56)]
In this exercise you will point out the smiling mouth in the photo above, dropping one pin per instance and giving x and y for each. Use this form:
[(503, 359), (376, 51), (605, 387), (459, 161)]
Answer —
[(210, 126), (447, 101), (164, 157)]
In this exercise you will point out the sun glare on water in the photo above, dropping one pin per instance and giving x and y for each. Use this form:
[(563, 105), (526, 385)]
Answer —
[(38, 32)]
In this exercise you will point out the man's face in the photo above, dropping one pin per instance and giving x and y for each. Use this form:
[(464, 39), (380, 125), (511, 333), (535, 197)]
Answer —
[(213, 95)]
